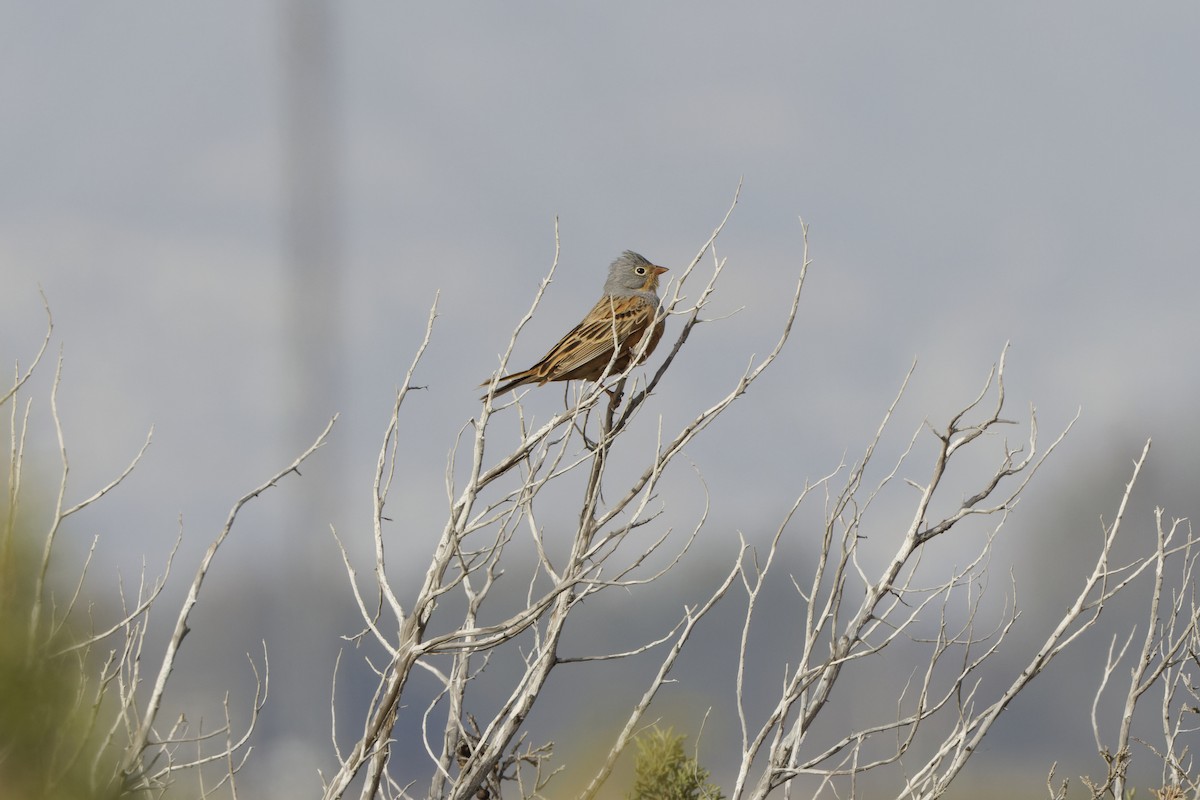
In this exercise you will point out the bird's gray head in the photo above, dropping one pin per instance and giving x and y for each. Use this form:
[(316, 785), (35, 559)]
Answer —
[(632, 274)]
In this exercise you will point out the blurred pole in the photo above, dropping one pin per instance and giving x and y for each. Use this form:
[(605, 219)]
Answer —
[(312, 171), (301, 639)]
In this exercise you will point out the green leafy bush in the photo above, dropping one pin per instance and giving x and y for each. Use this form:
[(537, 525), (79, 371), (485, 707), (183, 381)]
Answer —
[(665, 772)]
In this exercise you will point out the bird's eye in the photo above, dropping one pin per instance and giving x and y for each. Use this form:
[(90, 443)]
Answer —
[(641, 270)]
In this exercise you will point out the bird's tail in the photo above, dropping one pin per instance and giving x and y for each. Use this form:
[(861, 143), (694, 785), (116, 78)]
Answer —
[(512, 381)]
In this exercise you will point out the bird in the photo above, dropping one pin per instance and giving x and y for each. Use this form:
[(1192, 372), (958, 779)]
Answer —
[(619, 322)]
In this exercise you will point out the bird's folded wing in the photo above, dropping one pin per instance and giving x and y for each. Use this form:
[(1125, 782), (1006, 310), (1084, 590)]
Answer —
[(620, 322)]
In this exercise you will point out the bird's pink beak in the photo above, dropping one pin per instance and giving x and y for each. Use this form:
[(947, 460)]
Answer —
[(660, 270)]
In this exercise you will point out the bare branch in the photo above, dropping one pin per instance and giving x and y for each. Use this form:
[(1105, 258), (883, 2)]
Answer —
[(131, 765), (37, 358)]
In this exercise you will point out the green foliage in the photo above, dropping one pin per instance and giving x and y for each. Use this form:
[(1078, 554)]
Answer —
[(665, 772), (48, 741)]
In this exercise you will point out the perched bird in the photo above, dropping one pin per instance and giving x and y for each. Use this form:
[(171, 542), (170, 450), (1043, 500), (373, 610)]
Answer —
[(620, 321)]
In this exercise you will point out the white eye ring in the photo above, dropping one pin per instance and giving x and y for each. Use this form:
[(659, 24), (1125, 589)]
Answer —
[(641, 270)]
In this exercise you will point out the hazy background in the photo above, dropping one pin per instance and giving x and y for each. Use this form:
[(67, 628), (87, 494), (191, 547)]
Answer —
[(240, 214)]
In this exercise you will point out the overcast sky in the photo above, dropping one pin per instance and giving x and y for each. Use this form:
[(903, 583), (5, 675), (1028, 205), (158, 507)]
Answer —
[(973, 174)]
